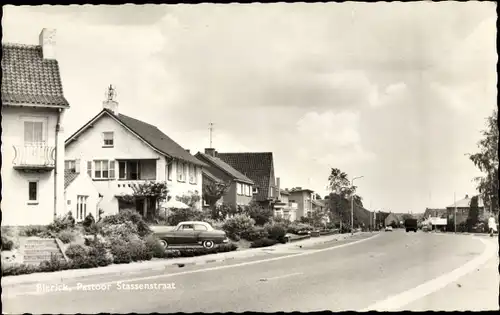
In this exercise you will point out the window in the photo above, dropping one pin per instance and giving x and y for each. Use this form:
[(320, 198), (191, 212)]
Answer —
[(187, 227), (122, 170), (255, 190), (81, 207), (108, 139), (195, 180), (169, 171), (239, 189), (200, 227), (181, 173), (191, 174), (33, 192), (104, 169), (33, 132), (70, 165)]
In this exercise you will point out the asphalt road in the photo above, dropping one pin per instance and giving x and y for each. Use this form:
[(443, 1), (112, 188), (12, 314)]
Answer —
[(332, 277)]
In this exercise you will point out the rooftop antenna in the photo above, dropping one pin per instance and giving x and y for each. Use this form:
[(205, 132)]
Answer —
[(110, 93), (211, 128)]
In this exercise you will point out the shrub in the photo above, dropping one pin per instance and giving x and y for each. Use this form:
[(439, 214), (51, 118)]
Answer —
[(180, 215), (263, 242), (54, 264), (37, 230), (98, 253), (255, 233), (276, 232), (128, 216), (154, 247), (18, 269), (88, 222), (259, 214), (120, 251), (123, 230), (298, 228), (7, 243), (139, 250), (59, 224), (66, 236), (237, 225), (76, 251)]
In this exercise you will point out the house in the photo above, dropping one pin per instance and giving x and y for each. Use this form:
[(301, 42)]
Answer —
[(462, 207), (259, 167), (81, 195), (435, 213), (119, 152), (304, 199), (391, 219), (283, 207), (240, 190), (33, 106)]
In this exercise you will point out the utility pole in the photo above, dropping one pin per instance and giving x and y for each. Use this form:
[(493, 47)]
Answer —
[(352, 204), (211, 128)]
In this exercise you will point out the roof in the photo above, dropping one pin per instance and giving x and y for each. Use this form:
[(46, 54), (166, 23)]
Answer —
[(69, 177), (434, 212), (284, 192), (226, 168), (211, 176), (301, 190), (465, 203), (147, 133), (318, 202), (258, 166), (28, 79)]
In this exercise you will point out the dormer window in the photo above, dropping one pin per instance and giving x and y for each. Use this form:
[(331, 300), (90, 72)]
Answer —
[(108, 139)]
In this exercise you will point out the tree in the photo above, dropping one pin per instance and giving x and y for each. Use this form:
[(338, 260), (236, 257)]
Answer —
[(213, 191), (338, 182), (190, 199), (341, 192), (151, 193), (318, 196), (473, 217), (261, 215), (487, 162)]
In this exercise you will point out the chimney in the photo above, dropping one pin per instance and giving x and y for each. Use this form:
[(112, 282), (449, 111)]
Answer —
[(47, 40), (278, 187), (466, 196), (110, 103), (188, 151), (210, 151)]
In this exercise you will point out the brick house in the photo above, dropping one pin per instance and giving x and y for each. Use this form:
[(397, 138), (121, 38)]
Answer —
[(463, 206), (240, 190), (259, 167)]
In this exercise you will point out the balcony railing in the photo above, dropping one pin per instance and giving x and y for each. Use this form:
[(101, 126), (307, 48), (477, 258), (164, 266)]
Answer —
[(34, 156)]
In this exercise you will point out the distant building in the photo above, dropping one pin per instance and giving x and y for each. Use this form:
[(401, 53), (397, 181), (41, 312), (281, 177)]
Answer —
[(462, 207)]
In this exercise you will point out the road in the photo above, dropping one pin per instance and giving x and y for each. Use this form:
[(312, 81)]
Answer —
[(388, 269)]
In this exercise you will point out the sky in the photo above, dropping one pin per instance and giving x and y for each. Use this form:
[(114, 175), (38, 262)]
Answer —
[(394, 92)]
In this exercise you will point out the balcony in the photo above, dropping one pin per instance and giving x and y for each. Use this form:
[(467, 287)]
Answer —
[(34, 157)]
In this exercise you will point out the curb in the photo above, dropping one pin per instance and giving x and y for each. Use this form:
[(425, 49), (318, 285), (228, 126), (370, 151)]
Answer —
[(12, 281)]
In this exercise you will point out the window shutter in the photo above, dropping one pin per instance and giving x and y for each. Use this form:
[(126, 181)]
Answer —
[(89, 168), (112, 169)]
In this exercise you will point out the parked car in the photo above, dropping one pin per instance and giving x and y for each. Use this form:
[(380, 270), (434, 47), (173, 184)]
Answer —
[(388, 228), (192, 233)]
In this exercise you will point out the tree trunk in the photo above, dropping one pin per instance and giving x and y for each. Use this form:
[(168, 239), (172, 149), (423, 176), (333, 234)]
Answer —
[(145, 208)]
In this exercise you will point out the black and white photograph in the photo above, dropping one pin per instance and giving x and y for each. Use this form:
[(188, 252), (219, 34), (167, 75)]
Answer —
[(263, 157)]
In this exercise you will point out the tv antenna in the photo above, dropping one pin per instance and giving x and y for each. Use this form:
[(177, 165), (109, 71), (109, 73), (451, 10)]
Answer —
[(211, 128)]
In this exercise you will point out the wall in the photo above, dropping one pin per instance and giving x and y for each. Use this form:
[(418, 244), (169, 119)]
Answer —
[(82, 185), (177, 188), (15, 210), (243, 200)]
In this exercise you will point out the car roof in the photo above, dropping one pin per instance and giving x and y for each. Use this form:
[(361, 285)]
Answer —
[(192, 222)]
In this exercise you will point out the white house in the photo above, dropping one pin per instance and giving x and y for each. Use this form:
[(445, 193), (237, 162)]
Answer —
[(81, 195), (118, 151), (33, 106)]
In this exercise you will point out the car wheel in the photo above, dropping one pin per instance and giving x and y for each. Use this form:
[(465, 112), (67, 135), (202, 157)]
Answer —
[(208, 244), (164, 243)]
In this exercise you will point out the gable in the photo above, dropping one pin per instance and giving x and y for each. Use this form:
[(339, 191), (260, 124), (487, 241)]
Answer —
[(126, 145)]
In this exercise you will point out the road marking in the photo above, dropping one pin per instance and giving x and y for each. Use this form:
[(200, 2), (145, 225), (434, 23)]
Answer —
[(283, 276), (7, 295), (400, 300)]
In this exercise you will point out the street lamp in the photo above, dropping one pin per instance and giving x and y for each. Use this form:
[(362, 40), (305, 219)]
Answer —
[(352, 204)]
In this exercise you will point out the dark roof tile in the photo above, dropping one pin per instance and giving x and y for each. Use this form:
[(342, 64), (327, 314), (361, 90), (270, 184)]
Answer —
[(258, 166), (69, 177), (223, 166), (27, 78)]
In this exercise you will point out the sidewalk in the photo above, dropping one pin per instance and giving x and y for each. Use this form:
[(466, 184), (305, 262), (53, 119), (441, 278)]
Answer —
[(162, 264)]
